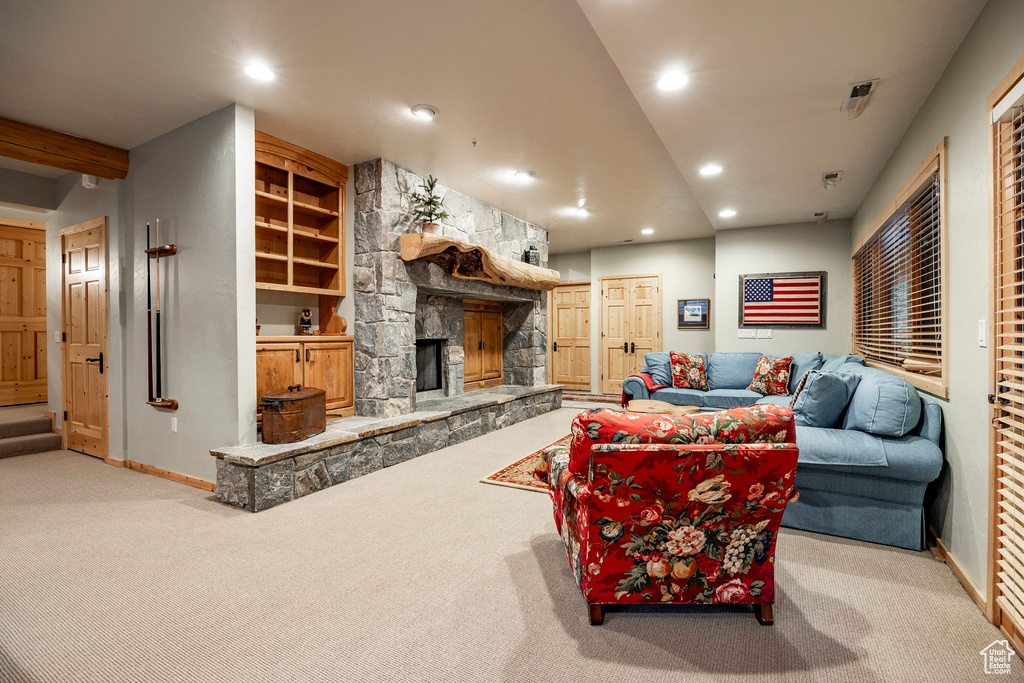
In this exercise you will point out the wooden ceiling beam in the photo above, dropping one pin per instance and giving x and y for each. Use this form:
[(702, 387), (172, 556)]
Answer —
[(49, 148)]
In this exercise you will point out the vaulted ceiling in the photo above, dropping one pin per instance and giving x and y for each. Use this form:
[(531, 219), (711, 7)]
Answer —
[(559, 87)]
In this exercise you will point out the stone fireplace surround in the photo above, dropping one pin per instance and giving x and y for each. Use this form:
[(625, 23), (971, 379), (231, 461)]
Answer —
[(396, 303)]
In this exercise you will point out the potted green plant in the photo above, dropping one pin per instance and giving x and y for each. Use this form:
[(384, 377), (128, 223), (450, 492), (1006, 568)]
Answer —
[(428, 207)]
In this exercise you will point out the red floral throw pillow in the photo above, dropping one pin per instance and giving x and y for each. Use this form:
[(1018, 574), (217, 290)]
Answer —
[(688, 371), (771, 377)]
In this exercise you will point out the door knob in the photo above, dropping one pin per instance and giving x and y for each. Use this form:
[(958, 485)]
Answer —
[(96, 360), (554, 347), (632, 347), (625, 347)]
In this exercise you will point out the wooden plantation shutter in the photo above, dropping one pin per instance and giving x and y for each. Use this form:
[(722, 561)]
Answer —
[(1006, 508), (899, 308)]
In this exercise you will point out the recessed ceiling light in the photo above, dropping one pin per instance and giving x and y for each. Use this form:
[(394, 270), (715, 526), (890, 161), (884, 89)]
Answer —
[(647, 231), (259, 71), (425, 111), (727, 213), (673, 80), (711, 169), (524, 175), (582, 211)]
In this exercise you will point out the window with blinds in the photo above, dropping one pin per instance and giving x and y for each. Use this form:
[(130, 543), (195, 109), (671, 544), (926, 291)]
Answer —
[(1006, 544), (899, 282)]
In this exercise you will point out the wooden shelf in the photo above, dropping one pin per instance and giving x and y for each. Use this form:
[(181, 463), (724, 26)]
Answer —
[(473, 262), (315, 210), (315, 237), (300, 222), (302, 338), (271, 197), (314, 264), (300, 289), (274, 228), (272, 257)]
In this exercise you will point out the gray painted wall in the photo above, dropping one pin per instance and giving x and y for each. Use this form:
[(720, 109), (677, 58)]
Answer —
[(783, 249), (27, 190), (198, 181), (956, 109)]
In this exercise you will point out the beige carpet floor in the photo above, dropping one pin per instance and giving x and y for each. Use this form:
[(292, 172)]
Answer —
[(419, 573)]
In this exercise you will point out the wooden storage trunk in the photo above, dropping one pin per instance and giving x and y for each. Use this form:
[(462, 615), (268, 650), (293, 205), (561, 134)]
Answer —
[(293, 414)]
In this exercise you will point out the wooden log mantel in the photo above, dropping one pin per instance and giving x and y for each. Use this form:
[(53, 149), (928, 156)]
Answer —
[(473, 262)]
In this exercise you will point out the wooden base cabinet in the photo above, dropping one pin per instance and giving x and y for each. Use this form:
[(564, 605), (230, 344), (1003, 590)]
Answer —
[(322, 362), (482, 344)]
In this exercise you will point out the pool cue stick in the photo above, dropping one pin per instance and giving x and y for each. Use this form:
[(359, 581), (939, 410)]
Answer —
[(149, 314), (159, 359)]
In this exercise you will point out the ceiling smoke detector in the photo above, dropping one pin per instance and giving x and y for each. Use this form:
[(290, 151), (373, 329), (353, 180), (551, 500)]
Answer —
[(857, 96), (830, 178)]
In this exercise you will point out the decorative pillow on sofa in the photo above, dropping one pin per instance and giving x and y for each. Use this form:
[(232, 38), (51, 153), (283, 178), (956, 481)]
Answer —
[(883, 404), (821, 397), (750, 424), (658, 365), (688, 371), (771, 377), (802, 364)]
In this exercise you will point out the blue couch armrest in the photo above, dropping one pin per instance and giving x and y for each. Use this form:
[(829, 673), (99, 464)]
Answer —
[(635, 387)]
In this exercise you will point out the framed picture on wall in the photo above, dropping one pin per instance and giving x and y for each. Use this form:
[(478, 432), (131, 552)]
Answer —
[(694, 314), (783, 300)]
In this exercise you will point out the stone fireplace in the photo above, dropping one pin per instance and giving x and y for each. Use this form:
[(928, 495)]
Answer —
[(398, 302)]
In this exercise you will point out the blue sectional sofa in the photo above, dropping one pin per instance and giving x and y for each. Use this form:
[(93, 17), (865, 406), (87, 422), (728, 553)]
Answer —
[(863, 477)]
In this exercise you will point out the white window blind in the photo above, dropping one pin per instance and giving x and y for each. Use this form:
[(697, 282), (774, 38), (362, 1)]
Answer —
[(898, 286)]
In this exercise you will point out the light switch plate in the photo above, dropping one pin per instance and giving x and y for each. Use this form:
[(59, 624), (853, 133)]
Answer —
[(748, 334), (174, 424), (764, 334), (56, 336), (983, 333)]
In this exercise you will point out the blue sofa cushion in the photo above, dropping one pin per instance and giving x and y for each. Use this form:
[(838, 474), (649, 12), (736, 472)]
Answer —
[(731, 370), (783, 401), (832, 363), (802, 364), (730, 398), (823, 446), (680, 397), (883, 404), (908, 458), (823, 398), (657, 365)]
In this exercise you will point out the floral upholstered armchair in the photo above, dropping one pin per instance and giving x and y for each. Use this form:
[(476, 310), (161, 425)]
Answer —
[(653, 508)]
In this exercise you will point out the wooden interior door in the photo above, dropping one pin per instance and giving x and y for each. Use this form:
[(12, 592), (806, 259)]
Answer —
[(644, 320), (22, 312), (472, 344), (84, 324), (570, 348), (630, 326), (492, 361), (278, 366), (327, 366), (615, 316)]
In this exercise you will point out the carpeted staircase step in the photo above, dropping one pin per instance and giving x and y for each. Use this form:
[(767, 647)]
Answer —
[(32, 425), (29, 443)]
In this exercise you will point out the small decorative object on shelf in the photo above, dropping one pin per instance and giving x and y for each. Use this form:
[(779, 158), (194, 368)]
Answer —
[(156, 398), (428, 207), (532, 256), (306, 322), (257, 327)]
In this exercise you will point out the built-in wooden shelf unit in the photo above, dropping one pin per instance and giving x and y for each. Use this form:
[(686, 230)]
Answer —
[(300, 219)]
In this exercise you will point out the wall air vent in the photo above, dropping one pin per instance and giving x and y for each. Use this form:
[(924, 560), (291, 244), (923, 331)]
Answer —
[(830, 178), (820, 216), (857, 96)]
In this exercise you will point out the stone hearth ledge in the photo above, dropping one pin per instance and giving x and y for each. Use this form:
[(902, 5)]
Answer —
[(260, 476)]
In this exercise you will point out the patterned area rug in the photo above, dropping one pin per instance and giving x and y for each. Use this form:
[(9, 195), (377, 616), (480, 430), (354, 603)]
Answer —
[(519, 475)]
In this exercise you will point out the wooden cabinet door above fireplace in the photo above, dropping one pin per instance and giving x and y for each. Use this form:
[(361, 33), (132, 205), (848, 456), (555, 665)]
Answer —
[(482, 343)]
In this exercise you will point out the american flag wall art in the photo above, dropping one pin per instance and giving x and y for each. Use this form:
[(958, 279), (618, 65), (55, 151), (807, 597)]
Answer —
[(782, 300)]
